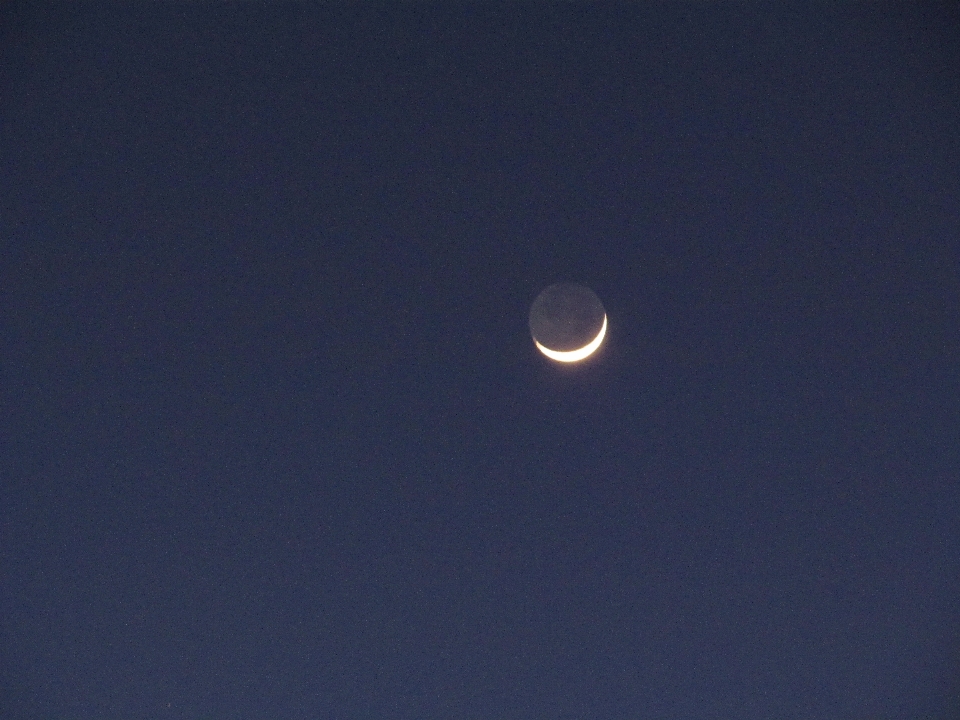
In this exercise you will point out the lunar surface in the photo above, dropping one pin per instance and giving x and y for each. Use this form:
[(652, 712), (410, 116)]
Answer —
[(567, 322)]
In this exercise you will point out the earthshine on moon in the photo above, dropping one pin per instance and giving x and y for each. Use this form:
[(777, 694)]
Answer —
[(567, 322)]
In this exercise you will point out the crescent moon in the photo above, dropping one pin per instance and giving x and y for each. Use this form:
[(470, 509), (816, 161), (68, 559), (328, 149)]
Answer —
[(578, 354)]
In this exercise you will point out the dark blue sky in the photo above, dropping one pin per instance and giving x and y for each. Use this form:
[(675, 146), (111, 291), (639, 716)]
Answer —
[(275, 442)]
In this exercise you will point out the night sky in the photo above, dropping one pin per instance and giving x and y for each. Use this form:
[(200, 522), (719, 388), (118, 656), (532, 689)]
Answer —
[(275, 441)]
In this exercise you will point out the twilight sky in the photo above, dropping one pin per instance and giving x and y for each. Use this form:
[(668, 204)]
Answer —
[(276, 444)]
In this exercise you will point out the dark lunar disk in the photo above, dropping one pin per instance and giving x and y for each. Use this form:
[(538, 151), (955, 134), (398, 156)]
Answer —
[(566, 316)]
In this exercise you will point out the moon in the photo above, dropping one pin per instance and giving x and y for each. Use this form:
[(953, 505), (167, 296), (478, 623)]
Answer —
[(567, 322)]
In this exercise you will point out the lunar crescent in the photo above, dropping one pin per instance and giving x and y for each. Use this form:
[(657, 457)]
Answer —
[(578, 354)]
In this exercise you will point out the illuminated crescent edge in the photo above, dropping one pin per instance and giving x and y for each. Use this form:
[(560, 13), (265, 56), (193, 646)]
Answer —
[(580, 353)]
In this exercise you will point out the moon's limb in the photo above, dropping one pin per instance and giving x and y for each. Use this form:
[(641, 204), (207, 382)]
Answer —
[(578, 354)]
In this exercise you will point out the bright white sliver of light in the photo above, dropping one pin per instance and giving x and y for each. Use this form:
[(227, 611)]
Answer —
[(580, 353)]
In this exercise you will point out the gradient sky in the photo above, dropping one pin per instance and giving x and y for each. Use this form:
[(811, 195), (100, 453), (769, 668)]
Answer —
[(275, 442)]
